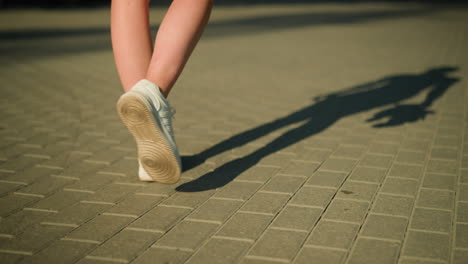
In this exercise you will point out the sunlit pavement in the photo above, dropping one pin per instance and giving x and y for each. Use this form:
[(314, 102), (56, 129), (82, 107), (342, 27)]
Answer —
[(310, 133)]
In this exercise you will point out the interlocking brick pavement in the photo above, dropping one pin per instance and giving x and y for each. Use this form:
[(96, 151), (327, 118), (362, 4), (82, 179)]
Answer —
[(311, 133)]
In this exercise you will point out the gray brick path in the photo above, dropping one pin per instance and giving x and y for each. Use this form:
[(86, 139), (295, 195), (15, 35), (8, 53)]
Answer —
[(312, 134)]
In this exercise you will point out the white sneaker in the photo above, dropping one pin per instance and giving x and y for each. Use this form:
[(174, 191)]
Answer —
[(148, 116)]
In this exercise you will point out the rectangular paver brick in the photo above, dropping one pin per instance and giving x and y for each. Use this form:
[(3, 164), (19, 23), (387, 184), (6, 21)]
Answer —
[(160, 218), (284, 184), (326, 179), (244, 225), (442, 166), (413, 157), (395, 227), (220, 251), (135, 204), (216, 210), (406, 171), (188, 199), (379, 161), (440, 181), (431, 220), (461, 236), (269, 203), (100, 228), (302, 168), (295, 217), (427, 245), (257, 173), (338, 164), (163, 256), (125, 245), (187, 235), (436, 199), (238, 190), (320, 255), (333, 234), (400, 186), (60, 251), (279, 244), (346, 210), (77, 213), (374, 251), (358, 191), (313, 196), (375, 175), (393, 205)]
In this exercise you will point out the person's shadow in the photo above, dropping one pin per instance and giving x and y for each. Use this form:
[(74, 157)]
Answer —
[(325, 111)]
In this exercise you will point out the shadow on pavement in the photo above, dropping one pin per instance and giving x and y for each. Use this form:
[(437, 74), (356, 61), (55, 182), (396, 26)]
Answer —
[(37, 43), (323, 113)]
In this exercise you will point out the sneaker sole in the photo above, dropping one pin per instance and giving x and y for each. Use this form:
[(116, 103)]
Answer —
[(154, 152)]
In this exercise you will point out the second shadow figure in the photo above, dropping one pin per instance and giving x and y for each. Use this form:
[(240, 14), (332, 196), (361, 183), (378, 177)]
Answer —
[(323, 113)]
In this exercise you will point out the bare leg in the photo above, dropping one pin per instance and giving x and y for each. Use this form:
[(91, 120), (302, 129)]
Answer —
[(131, 39), (177, 36)]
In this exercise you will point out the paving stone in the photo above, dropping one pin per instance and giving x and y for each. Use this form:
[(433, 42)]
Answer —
[(77, 213), (279, 244), (435, 199), (111, 193), (461, 236), (314, 155), (431, 220), (427, 245), (411, 157), (439, 181), (351, 152), (406, 171), (13, 202), (135, 204), (160, 218), (375, 175), (45, 186), (99, 228), (400, 186), (215, 210), (313, 196), (460, 256), (320, 255), (295, 217), (374, 251), (261, 174), (395, 227), (284, 184), (187, 235), (238, 190), (444, 153), (338, 164), (393, 205), (326, 179), (384, 148), (245, 225), (60, 251), (301, 168), (357, 190), (163, 256), (333, 234), (60, 200), (442, 166), (463, 192), (379, 161), (220, 251), (346, 210), (462, 212), (269, 203), (34, 238), (125, 245), (188, 199)]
